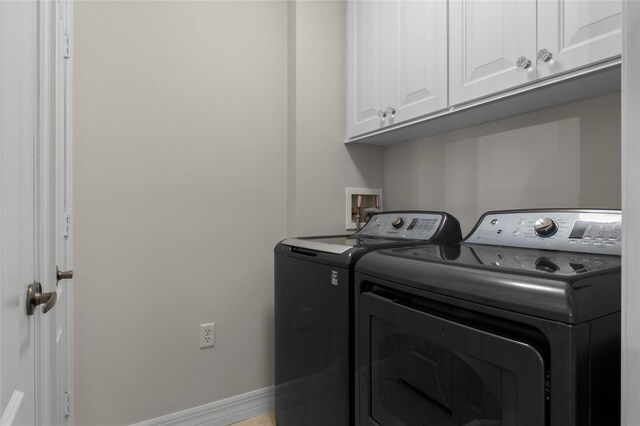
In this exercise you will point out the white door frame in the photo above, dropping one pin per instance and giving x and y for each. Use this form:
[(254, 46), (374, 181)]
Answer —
[(630, 213), (64, 206), (54, 367), (45, 169)]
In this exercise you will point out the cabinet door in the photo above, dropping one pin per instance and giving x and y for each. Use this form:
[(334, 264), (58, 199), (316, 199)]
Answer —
[(364, 99), (418, 50), (578, 33), (486, 40)]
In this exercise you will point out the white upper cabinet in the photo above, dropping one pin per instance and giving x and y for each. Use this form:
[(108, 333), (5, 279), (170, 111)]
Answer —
[(487, 39), (419, 66), (365, 98), (577, 33), (498, 45), (420, 56), (397, 62)]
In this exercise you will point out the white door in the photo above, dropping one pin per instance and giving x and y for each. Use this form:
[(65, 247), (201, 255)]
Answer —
[(17, 206), (487, 38), (365, 74), (578, 33), (29, 144), (418, 40)]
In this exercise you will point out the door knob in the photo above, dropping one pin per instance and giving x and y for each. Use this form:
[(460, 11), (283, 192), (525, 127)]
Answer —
[(63, 275), (36, 297)]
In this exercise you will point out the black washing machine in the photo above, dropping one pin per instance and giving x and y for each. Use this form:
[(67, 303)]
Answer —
[(314, 335), (517, 325)]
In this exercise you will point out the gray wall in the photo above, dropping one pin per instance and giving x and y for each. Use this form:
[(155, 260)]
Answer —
[(204, 133), (566, 156), (180, 180), (321, 165)]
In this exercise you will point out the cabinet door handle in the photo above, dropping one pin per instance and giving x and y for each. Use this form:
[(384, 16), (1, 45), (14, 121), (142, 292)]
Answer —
[(382, 114), (391, 111), (544, 55), (523, 62)]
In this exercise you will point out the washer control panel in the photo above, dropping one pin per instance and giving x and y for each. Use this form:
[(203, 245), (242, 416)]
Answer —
[(590, 231), (409, 225)]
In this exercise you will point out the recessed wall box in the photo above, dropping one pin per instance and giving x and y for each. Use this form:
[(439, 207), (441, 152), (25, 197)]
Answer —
[(357, 200)]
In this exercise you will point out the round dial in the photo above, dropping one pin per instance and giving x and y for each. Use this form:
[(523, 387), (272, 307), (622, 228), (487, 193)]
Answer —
[(545, 227), (397, 222)]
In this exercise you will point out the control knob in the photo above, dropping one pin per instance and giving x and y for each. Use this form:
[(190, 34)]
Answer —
[(397, 222), (545, 227)]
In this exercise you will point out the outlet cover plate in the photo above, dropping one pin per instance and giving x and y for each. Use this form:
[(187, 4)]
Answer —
[(207, 335)]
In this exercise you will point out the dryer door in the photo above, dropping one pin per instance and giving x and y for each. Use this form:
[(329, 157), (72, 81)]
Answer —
[(420, 369)]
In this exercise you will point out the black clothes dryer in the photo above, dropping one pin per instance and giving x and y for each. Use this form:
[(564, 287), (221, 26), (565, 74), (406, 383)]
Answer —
[(314, 334), (518, 325)]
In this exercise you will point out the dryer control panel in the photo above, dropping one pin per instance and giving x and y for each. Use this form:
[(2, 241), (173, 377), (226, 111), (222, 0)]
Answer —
[(408, 225), (590, 231)]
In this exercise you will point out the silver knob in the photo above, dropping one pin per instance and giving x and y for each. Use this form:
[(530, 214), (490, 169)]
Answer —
[(544, 55), (523, 62), (382, 114), (36, 297), (391, 111), (397, 222), (545, 227)]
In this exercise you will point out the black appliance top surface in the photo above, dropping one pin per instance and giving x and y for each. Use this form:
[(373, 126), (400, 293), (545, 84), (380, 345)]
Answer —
[(342, 250), (514, 260), (571, 287), (352, 241), (383, 230)]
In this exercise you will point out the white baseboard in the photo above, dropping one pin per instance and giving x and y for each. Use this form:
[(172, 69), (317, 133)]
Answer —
[(219, 413)]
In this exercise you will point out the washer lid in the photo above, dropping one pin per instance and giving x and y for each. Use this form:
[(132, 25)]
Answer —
[(333, 245), (336, 244)]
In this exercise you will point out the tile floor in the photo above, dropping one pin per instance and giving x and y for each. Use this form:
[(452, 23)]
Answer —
[(265, 419)]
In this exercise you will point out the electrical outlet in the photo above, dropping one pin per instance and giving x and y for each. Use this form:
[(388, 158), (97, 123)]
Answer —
[(207, 335)]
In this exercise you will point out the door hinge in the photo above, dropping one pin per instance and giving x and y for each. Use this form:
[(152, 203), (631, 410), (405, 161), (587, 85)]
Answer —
[(67, 46), (66, 226), (67, 404)]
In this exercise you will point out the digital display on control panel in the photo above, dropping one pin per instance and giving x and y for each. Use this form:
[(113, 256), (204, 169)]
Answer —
[(578, 229), (422, 224), (594, 230)]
